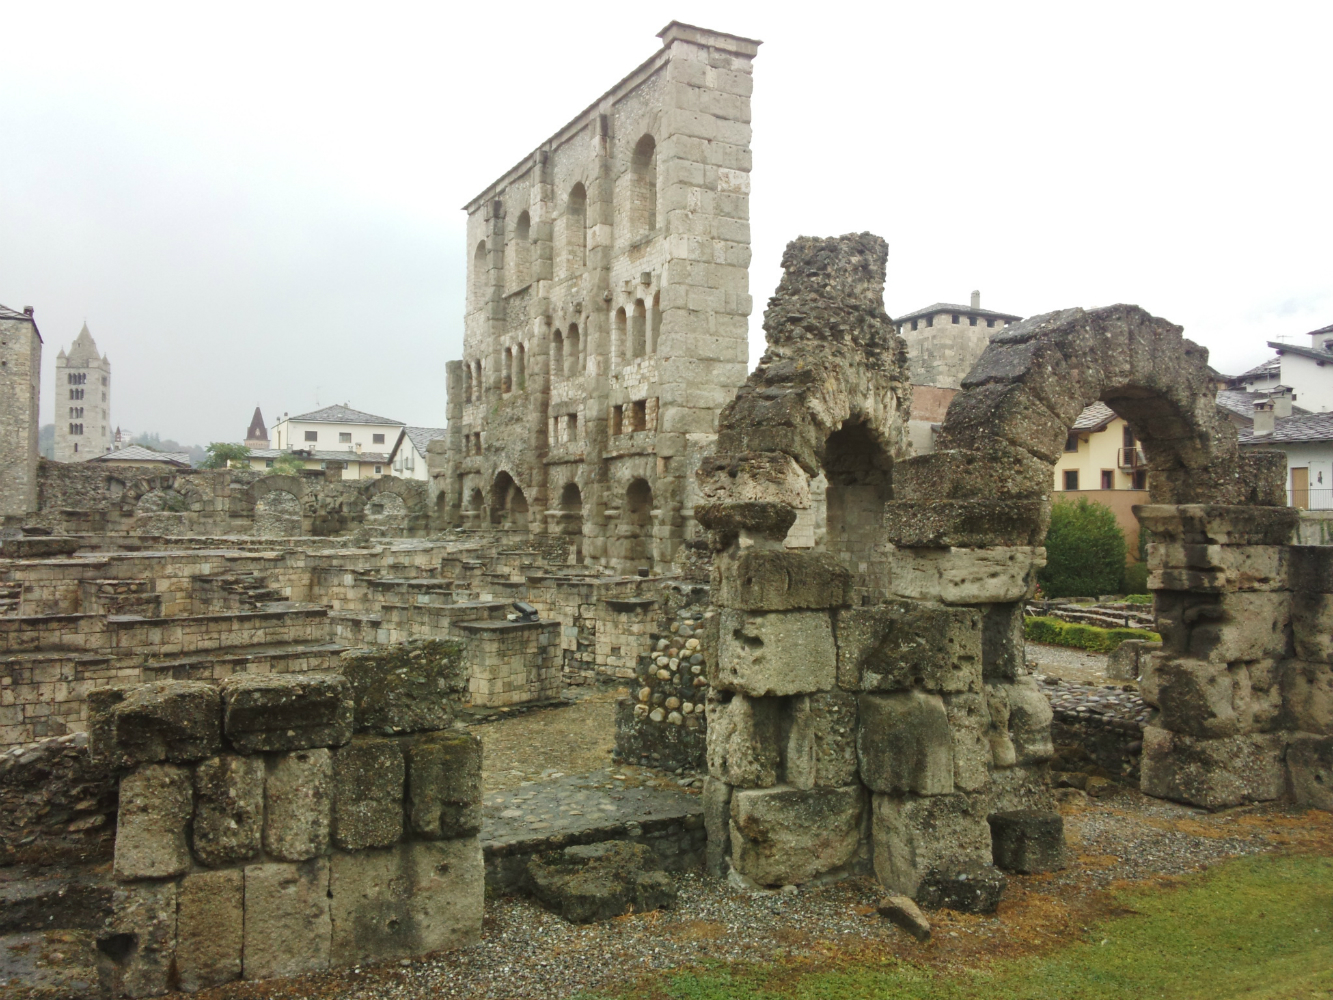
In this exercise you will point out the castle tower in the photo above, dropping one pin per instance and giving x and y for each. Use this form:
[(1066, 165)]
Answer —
[(82, 401), (20, 385)]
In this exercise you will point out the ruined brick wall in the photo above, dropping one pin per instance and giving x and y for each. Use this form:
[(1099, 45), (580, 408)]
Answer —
[(56, 803), (20, 375), (607, 313)]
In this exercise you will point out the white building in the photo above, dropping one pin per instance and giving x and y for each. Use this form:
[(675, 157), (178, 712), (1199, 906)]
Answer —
[(1307, 371), (408, 457), (1307, 441), (335, 433), (82, 401)]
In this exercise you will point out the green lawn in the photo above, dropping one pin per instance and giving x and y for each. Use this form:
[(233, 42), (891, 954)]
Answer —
[(1260, 928)]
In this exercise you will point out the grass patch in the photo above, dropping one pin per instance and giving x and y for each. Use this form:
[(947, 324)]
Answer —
[(1258, 928), (1090, 637)]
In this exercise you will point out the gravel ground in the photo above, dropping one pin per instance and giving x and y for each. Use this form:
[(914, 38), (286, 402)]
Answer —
[(1066, 663), (526, 952)]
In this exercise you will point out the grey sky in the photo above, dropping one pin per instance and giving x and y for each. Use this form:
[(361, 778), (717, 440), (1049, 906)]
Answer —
[(258, 203)]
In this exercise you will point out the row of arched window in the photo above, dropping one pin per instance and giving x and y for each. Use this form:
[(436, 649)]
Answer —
[(570, 236)]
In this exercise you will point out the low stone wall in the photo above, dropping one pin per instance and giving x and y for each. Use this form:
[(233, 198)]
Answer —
[(56, 803), (267, 829), (510, 663)]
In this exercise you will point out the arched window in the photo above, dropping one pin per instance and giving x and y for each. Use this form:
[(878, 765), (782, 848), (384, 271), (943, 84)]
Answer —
[(520, 253), (557, 352), (520, 368), (643, 187), (638, 345), (618, 339), (507, 376), (655, 323), (576, 228), (575, 360), (480, 277), (467, 382)]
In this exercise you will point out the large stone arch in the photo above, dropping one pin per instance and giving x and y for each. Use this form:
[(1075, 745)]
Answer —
[(414, 495), (295, 485)]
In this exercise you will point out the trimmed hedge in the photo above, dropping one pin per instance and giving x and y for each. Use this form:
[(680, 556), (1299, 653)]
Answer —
[(1095, 640), (1085, 551)]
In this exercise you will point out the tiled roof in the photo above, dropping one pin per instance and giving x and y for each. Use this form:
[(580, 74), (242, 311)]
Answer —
[(321, 456), (7, 313), (138, 453), (1323, 357), (344, 415), (1241, 403), (1292, 430), (1271, 367), (1094, 417), (950, 307), (422, 436)]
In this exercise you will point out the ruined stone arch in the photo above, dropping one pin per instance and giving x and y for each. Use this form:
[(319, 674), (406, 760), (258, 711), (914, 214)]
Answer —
[(133, 493), (509, 504), (295, 485)]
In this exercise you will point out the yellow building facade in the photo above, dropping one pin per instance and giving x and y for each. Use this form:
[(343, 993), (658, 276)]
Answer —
[(1104, 462)]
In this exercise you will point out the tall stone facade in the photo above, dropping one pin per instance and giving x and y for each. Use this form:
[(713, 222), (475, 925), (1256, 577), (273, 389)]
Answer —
[(20, 386), (607, 309), (82, 401)]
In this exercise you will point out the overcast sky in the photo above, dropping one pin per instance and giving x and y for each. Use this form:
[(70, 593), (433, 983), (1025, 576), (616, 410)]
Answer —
[(260, 204)]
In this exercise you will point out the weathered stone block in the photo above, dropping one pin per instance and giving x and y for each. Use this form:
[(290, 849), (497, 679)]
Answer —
[(1219, 524), (745, 740), (298, 800), (1312, 625), (1310, 771), (228, 809), (408, 900), (1020, 722), (904, 744), (1003, 645), (775, 653), (1027, 842), (1014, 788), (967, 888), (1201, 698), (404, 688), (288, 930), (443, 784), (717, 824), (785, 836), (263, 712), (1123, 662), (1311, 568), (1217, 568), (176, 721), (368, 779), (591, 882), (914, 835), (821, 740), (1253, 627), (966, 576), (969, 722), (941, 524), (143, 914), (210, 928), (1307, 696), (1212, 773), (907, 644), (155, 806), (773, 580)]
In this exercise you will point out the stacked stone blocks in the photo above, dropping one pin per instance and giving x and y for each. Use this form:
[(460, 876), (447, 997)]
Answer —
[(266, 829)]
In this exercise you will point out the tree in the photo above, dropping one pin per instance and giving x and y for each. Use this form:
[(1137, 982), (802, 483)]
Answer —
[(1085, 551), (220, 454), (287, 465)]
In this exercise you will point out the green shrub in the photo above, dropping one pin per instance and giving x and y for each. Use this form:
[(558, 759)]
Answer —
[(1055, 632), (1085, 551), (1135, 580), (1138, 598)]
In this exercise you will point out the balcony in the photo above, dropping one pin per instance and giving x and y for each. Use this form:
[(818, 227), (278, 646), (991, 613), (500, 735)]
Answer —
[(1131, 458)]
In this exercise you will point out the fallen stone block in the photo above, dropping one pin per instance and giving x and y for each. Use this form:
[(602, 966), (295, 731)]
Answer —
[(821, 740), (1122, 664), (903, 911), (1028, 842), (288, 930), (968, 888), (598, 881), (404, 688), (773, 580), (903, 743), (368, 784), (156, 803), (174, 721), (298, 803), (408, 900), (1310, 771), (914, 834), (966, 576), (909, 644), (265, 712), (228, 809), (210, 928), (786, 836), (1211, 773), (775, 653), (140, 940), (443, 784)]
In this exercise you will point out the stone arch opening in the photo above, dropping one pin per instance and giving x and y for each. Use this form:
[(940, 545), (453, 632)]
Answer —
[(480, 276), (509, 506), (570, 519), (557, 352), (162, 500), (858, 477), (643, 186), (278, 515), (574, 365), (634, 531), (520, 256), (386, 515), (576, 227)]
